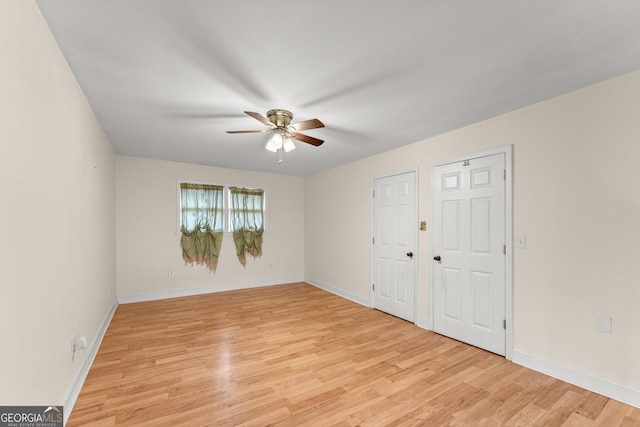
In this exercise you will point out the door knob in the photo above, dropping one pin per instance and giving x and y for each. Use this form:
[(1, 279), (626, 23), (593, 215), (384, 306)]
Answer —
[(410, 254), (437, 258)]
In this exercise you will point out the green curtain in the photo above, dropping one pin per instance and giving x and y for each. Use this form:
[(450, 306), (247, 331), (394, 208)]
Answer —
[(247, 219), (201, 210)]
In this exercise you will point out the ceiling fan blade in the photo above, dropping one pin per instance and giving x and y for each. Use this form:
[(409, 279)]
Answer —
[(308, 139), (248, 131), (308, 124), (259, 117)]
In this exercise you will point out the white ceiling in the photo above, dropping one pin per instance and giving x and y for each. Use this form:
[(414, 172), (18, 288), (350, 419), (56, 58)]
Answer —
[(167, 78)]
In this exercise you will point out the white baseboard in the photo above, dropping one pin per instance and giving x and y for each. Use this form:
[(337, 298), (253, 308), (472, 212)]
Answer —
[(421, 322), (587, 381), (340, 292), (76, 386), (152, 296)]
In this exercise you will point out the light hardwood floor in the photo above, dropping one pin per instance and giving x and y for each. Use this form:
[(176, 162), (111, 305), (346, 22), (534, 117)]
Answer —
[(295, 355)]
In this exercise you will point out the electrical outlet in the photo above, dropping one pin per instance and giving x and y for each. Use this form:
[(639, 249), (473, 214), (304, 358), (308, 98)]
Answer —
[(172, 273), (79, 343)]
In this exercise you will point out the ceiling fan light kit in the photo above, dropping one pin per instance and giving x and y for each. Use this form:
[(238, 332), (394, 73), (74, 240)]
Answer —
[(280, 141), (284, 132)]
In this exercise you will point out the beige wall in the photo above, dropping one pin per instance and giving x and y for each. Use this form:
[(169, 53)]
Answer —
[(149, 246), (576, 198), (57, 217)]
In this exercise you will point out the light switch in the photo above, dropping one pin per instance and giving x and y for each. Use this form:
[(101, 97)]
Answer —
[(603, 323), (521, 241)]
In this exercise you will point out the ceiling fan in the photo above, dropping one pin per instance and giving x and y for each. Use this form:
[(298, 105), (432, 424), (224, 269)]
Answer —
[(284, 132)]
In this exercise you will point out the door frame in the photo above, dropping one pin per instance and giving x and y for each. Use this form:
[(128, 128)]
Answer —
[(507, 150), (416, 241)]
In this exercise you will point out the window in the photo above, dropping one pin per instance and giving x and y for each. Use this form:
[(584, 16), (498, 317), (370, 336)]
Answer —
[(207, 210), (247, 219), (224, 210), (246, 208), (201, 205), (201, 223)]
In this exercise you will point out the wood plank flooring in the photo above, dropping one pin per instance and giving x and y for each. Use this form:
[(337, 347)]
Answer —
[(295, 355)]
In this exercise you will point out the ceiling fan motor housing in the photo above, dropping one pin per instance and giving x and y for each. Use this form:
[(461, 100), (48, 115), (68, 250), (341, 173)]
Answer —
[(280, 118)]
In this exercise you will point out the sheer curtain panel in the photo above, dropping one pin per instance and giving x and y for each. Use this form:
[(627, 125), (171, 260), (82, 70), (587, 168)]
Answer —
[(201, 208), (247, 220)]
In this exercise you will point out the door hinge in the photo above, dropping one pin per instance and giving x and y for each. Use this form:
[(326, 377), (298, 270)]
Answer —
[(504, 324), (374, 193), (504, 249), (505, 174), (373, 286), (373, 240)]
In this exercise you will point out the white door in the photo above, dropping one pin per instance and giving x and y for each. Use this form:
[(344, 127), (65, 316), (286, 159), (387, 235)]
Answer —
[(469, 278), (394, 229)]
